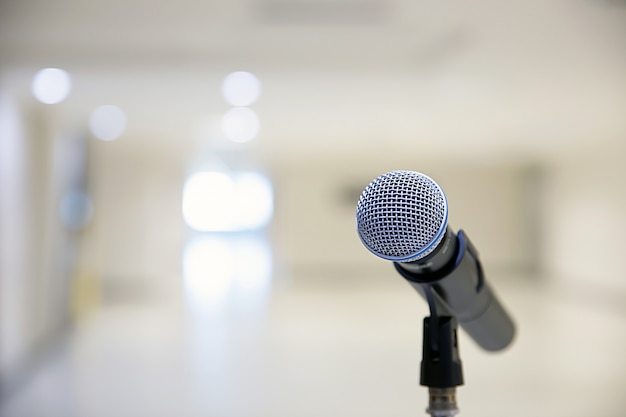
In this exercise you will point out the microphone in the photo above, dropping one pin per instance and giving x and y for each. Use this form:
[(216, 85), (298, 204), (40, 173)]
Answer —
[(402, 216)]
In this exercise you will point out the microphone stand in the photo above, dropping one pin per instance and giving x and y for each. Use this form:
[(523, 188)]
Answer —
[(441, 369)]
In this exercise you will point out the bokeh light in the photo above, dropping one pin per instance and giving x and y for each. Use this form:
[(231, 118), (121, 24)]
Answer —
[(241, 88), (107, 122), (240, 124), (51, 85)]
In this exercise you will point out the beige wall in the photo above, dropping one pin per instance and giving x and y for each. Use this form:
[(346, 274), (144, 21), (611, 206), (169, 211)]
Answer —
[(138, 232), (526, 217), (316, 202), (36, 252), (585, 222), (136, 239)]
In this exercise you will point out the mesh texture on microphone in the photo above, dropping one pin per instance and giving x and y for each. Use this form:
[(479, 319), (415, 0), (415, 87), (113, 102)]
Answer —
[(402, 216)]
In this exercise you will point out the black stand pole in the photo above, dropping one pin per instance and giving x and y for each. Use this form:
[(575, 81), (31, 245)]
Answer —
[(441, 369)]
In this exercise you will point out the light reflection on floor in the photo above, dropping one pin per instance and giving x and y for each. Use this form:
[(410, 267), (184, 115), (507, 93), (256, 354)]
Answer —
[(333, 346), (222, 269)]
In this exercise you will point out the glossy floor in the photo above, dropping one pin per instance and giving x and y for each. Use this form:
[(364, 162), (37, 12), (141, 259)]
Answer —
[(331, 346)]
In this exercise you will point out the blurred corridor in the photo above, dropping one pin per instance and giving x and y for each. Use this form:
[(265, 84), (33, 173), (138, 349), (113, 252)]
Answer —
[(178, 184)]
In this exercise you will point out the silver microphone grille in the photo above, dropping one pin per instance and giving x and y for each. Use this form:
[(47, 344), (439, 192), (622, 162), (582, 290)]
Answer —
[(402, 216)]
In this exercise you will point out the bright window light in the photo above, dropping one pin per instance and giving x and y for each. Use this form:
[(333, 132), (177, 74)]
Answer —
[(107, 122), (215, 201), (207, 200), (241, 88), (240, 124), (51, 85), (253, 203)]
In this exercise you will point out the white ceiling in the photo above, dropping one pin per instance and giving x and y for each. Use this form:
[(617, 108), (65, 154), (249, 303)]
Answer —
[(481, 76)]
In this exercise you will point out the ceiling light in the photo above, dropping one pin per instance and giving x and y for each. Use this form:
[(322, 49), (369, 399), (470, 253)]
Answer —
[(51, 85)]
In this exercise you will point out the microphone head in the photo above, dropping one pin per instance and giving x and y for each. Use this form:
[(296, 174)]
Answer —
[(402, 216)]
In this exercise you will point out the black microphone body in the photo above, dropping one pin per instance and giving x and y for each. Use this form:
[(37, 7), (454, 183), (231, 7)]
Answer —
[(402, 216), (454, 274)]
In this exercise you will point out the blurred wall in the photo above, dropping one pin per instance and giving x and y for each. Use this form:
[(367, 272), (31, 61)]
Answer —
[(585, 218), (17, 274), (38, 166), (316, 202), (136, 241), (528, 217), (531, 217)]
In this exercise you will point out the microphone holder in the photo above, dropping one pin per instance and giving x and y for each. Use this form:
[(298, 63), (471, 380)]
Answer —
[(441, 368)]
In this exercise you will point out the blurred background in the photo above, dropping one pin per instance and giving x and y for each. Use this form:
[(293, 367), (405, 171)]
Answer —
[(178, 183)]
